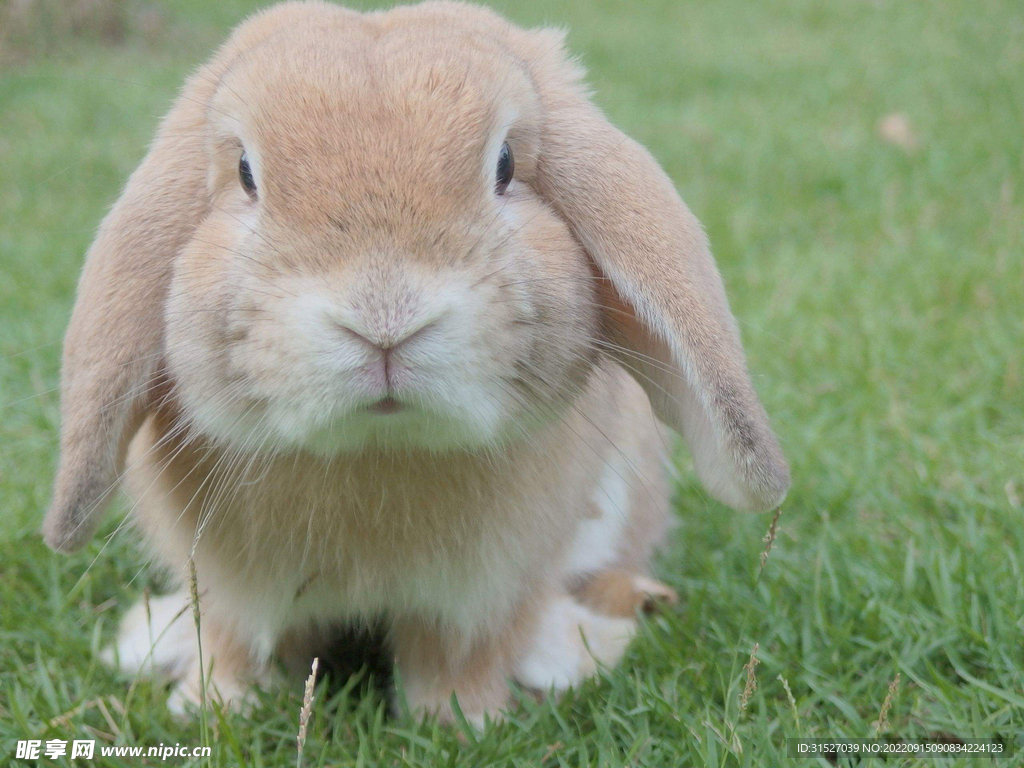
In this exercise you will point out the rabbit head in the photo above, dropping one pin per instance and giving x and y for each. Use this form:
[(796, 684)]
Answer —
[(407, 228)]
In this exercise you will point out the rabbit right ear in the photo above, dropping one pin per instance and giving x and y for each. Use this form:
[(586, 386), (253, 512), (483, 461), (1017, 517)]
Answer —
[(114, 342), (667, 319)]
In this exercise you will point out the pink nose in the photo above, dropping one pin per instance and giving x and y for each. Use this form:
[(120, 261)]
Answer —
[(387, 346)]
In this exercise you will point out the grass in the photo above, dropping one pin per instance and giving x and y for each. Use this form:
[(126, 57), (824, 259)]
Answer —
[(879, 285)]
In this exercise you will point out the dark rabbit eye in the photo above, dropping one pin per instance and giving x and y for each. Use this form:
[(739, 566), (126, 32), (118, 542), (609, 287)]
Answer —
[(506, 167), (245, 175)]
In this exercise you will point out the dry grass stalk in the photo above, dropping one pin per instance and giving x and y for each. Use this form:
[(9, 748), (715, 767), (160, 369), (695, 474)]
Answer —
[(306, 712), (65, 719), (792, 701), (882, 723), (149, 629), (193, 590), (751, 684), (769, 540), (551, 750)]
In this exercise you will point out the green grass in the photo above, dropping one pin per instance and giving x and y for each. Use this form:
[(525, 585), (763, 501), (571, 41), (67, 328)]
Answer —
[(880, 294)]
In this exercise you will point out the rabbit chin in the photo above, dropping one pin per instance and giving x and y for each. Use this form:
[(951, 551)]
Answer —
[(474, 423), (411, 427)]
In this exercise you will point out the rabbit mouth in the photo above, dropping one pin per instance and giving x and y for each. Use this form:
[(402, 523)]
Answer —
[(386, 406)]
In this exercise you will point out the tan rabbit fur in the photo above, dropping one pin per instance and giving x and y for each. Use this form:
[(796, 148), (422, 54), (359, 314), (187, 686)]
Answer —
[(373, 384)]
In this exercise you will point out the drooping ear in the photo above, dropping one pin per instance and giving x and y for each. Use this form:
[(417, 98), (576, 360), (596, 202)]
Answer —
[(113, 344), (666, 304)]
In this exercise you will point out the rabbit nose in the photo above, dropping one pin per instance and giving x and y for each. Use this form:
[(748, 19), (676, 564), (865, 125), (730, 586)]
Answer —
[(386, 342), (385, 370)]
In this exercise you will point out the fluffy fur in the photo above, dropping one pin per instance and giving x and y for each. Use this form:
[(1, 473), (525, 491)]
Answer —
[(379, 390)]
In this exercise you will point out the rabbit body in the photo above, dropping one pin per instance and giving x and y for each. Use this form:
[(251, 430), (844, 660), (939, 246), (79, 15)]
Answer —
[(383, 329), (455, 552)]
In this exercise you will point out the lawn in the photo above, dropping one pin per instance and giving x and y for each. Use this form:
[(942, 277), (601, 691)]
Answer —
[(859, 166)]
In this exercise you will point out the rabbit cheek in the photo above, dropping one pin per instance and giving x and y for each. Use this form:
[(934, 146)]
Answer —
[(219, 353)]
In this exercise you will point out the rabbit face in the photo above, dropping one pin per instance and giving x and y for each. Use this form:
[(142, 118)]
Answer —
[(372, 272)]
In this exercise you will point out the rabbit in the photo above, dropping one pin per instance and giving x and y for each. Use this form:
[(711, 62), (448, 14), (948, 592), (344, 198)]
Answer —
[(390, 325)]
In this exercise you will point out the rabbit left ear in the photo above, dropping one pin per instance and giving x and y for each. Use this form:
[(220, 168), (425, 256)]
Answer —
[(666, 311), (114, 342)]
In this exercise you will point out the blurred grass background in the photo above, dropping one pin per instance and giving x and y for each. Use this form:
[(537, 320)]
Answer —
[(859, 167)]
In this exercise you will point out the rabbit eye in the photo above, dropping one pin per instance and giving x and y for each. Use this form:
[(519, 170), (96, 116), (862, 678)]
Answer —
[(506, 167), (245, 175)]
